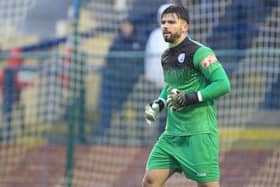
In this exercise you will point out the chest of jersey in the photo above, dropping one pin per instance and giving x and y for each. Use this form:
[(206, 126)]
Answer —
[(178, 65)]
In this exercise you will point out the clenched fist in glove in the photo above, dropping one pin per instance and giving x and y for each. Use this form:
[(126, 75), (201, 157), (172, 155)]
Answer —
[(177, 99), (153, 109)]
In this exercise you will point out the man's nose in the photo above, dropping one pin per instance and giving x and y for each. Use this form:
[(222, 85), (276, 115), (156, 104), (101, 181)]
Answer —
[(164, 26)]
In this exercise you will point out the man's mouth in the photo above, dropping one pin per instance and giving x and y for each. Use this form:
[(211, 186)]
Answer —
[(166, 33)]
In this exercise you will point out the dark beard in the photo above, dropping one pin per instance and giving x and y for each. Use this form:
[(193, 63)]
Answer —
[(172, 38)]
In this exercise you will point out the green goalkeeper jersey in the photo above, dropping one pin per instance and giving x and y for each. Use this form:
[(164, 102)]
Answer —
[(193, 67)]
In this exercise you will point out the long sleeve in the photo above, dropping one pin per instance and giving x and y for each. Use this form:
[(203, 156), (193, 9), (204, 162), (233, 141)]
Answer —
[(219, 85), (207, 63), (163, 94)]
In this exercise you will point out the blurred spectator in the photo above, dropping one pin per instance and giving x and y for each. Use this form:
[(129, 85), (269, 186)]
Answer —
[(121, 71), (154, 48), (11, 90), (15, 60)]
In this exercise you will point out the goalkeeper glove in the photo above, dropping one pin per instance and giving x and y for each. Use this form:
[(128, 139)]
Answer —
[(177, 99), (153, 109)]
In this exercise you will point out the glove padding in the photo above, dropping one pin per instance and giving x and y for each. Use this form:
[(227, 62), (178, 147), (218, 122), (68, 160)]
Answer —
[(177, 99), (152, 111)]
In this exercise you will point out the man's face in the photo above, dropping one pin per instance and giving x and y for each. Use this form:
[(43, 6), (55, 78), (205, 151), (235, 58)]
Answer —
[(126, 28), (173, 28)]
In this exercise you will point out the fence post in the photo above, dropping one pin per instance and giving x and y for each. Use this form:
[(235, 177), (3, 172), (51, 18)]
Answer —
[(71, 110)]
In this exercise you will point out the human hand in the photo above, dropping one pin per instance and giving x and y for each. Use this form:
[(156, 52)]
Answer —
[(153, 110), (151, 113), (176, 99)]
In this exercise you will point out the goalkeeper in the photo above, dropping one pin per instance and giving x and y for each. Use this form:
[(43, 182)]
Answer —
[(194, 78)]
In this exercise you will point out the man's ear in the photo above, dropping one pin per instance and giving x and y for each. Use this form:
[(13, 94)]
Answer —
[(185, 27)]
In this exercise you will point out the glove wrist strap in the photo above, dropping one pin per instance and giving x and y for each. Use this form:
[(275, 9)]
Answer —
[(161, 103), (200, 99), (191, 98)]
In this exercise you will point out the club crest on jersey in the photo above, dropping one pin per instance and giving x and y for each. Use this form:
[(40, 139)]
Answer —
[(181, 58)]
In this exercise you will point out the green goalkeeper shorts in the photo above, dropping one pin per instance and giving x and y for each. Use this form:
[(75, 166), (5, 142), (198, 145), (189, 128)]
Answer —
[(197, 156)]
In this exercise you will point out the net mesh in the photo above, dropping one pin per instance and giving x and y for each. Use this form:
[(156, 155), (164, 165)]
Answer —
[(72, 112), (12, 18)]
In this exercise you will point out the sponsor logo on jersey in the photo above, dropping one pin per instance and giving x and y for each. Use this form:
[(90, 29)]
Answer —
[(181, 58), (207, 61)]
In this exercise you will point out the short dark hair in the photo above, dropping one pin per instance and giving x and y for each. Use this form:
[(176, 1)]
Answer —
[(180, 11)]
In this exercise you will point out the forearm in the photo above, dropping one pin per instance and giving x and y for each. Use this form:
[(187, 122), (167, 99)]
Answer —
[(163, 93), (219, 85)]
